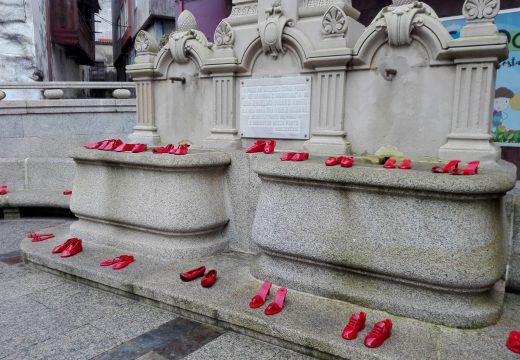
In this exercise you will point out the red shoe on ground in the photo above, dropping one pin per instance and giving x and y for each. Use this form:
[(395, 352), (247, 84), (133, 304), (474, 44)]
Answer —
[(513, 342), (406, 164), (259, 299), (125, 147), (115, 260), (164, 149), (300, 156), (379, 333), (125, 261), (449, 167), (182, 149), (277, 305), (389, 164), (74, 248), (355, 324), (333, 161), (94, 145), (269, 147), (41, 237), (347, 162), (258, 146), (193, 273), (287, 156), (139, 148), (112, 145), (209, 279), (3, 189), (67, 192), (471, 169), (66, 244)]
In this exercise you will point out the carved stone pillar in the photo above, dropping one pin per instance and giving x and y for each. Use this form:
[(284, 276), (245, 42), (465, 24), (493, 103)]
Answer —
[(142, 72), (328, 134)]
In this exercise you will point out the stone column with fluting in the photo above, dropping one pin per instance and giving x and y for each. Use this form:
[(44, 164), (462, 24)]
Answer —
[(142, 73), (475, 82)]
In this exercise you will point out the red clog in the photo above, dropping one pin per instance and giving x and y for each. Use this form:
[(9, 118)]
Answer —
[(406, 164), (67, 192), (389, 164), (287, 156), (138, 148), (355, 324), (66, 244), (124, 262), (258, 146), (259, 299), (471, 169), (347, 162), (453, 164), (379, 333), (269, 147), (164, 149), (181, 150), (74, 248), (3, 189), (277, 305), (193, 273), (513, 342), (114, 260), (300, 156), (209, 279)]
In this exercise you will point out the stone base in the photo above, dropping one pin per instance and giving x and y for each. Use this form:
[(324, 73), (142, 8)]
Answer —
[(329, 143), (145, 135), (454, 309), (225, 140), (469, 148)]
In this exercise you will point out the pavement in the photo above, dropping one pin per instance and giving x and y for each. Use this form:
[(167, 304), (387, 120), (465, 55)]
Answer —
[(43, 316)]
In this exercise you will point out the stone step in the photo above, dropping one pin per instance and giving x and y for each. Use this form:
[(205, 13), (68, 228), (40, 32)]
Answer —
[(308, 324)]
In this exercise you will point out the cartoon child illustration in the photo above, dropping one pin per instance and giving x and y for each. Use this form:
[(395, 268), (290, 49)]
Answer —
[(503, 98)]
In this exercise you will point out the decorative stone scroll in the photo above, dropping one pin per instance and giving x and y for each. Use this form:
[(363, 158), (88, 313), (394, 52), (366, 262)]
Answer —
[(481, 9), (334, 22), (224, 35), (272, 28)]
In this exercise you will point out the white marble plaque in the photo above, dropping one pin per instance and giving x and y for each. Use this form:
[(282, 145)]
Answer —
[(278, 108)]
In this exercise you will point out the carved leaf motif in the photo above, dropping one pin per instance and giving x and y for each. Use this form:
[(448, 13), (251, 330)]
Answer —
[(224, 34), (481, 9), (334, 21), (142, 42)]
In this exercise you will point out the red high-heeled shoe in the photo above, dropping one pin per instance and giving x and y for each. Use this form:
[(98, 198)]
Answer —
[(471, 169), (258, 146), (453, 164), (287, 156), (347, 162), (513, 342), (300, 156), (277, 305), (138, 148), (259, 299), (379, 333), (193, 273), (164, 149), (355, 324), (406, 164), (74, 248), (3, 189), (389, 164), (333, 161), (209, 279), (125, 261), (115, 260), (61, 247), (181, 150), (269, 147), (42, 237)]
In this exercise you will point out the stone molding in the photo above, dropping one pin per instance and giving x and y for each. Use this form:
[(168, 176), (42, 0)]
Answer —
[(272, 28)]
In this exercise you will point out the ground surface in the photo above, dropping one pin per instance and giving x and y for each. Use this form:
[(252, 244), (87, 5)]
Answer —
[(43, 316)]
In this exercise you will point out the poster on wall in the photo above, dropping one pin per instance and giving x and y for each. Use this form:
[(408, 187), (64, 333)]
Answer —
[(506, 112)]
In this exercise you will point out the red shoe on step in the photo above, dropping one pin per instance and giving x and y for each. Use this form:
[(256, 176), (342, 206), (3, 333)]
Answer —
[(277, 305), (259, 299), (209, 279), (258, 146), (269, 147), (379, 333), (355, 324), (193, 273)]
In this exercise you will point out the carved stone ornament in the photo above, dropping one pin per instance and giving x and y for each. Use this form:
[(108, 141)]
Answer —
[(481, 9), (334, 22), (186, 30), (271, 29), (145, 43), (401, 18), (224, 35), (244, 10)]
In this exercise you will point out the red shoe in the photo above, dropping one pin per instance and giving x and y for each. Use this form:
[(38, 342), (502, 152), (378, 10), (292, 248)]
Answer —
[(41, 237), (115, 260), (453, 164), (209, 279), (513, 342), (181, 150), (259, 299), (112, 145), (300, 156), (74, 248), (3, 189), (66, 244), (139, 148), (277, 305), (94, 145), (258, 146), (356, 323), (193, 274), (32, 235), (269, 147), (125, 147), (471, 169), (406, 164), (347, 162), (164, 149), (333, 161), (125, 261), (67, 192), (389, 164), (287, 156), (379, 333)]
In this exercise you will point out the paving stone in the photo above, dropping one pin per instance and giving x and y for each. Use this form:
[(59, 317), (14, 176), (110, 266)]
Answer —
[(30, 283)]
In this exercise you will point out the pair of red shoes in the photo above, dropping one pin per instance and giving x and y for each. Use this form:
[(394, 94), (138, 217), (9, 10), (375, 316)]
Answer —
[(343, 161), (375, 338), (513, 342), (39, 237), (262, 146), (405, 165), (292, 156), (453, 168), (170, 149), (116, 145), (69, 248), (3, 189), (207, 280), (259, 299), (119, 262)]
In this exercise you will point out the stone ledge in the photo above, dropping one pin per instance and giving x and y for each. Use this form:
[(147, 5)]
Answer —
[(309, 324), (35, 198)]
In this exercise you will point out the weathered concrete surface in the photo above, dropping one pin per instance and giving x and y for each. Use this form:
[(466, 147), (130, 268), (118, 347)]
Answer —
[(309, 323)]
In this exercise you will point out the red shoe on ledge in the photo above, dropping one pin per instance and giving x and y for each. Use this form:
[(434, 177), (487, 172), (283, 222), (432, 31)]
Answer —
[(193, 273), (355, 324), (259, 299), (513, 342), (69, 248), (258, 146), (277, 305), (3, 189), (379, 333), (209, 279)]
